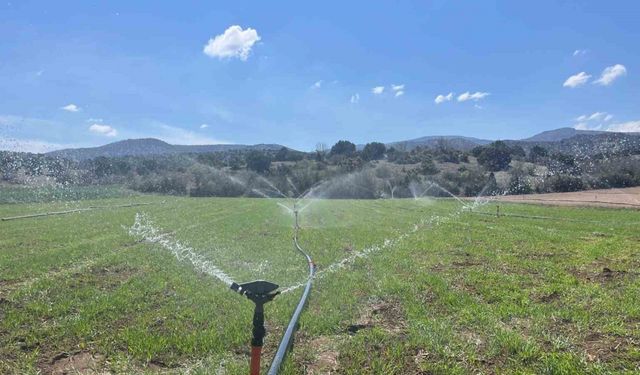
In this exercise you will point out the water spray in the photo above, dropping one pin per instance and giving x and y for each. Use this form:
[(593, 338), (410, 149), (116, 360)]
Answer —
[(259, 292)]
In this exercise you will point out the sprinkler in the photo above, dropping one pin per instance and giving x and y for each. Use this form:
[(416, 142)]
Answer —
[(259, 292), (295, 213)]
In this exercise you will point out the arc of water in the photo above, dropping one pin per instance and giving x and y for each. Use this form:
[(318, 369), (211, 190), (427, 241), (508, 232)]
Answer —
[(143, 228)]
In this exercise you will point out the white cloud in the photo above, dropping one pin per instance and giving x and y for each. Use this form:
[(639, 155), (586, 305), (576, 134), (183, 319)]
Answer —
[(399, 93), (625, 127), (94, 120), (610, 74), (377, 90), (105, 130), (317, 85), (70, 108), (443, 98), (576, 80), (397, 87), (235, 42), (204, 126), (355, 98), (478, 106), (580, 52), (475, 96), (596, 116)]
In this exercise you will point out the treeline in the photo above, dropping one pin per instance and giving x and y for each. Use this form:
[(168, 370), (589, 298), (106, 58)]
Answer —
[(344, 171)]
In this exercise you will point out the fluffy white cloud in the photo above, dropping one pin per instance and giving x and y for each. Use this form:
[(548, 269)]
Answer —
[(443, 98), (399, 93), (378, 90), (235, 42), (610, 74), (71, 108), (105, 130), (204, 126), (397, 87), (596, 116), (317, 85), (625, 127), (475, 96), (580, 52), (355, 98), (94, 120), (576, 80)]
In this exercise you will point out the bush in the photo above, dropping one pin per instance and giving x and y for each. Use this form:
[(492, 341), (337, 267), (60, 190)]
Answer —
[(561, 183)]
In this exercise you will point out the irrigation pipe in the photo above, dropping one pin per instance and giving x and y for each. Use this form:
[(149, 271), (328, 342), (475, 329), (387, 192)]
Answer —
[(503, 214), (287, 338), (74, 210)]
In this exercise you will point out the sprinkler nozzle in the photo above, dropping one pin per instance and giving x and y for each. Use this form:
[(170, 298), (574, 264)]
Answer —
[(258, 291)]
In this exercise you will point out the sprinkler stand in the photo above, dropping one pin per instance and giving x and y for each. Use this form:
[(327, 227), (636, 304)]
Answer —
[(259, 292)]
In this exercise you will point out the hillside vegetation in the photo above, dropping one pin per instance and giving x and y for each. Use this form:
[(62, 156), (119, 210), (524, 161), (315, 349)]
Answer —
[(582, 161)]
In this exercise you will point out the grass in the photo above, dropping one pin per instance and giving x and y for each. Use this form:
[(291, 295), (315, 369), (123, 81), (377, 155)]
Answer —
[(458, 293), (43, 194)]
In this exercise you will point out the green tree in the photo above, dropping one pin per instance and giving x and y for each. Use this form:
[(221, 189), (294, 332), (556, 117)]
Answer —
[(258, 161), (537, 154), (428, 167), (343, 148), (374, 151), (495, 157)]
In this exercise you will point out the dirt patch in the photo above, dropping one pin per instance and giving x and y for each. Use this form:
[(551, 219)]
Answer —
[(626, 197), (384, 313), (326, 356), (606, 275), (548, 298), (110, 277), (75, 363), (466, 263), (604, 348)]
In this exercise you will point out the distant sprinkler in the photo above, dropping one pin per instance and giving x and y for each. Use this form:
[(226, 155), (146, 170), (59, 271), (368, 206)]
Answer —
[(295, 213), (259, 292)]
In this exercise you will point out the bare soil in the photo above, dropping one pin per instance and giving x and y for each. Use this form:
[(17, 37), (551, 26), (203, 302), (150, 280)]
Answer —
[(624, 197)]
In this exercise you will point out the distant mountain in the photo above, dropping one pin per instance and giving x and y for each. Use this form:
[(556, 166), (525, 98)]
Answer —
[(557, 135), (453, 141), (590, 144), (150, 146), (560, 139)]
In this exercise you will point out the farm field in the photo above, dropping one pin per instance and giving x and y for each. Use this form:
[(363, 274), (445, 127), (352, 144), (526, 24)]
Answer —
[(621, 198), (404, 286)]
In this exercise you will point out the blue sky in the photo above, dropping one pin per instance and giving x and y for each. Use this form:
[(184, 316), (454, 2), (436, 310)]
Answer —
[(83, 73)]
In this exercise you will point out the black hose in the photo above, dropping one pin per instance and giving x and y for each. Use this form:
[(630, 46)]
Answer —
[(287, 338)]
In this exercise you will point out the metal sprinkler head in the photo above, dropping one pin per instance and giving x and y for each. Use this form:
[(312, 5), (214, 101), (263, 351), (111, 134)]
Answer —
[(259, 292)]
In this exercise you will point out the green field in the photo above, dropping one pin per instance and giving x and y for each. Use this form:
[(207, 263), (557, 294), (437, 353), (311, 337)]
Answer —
[(426, 287)]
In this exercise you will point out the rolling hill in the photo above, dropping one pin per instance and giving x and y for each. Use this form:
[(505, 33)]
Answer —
[(150, 146)]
